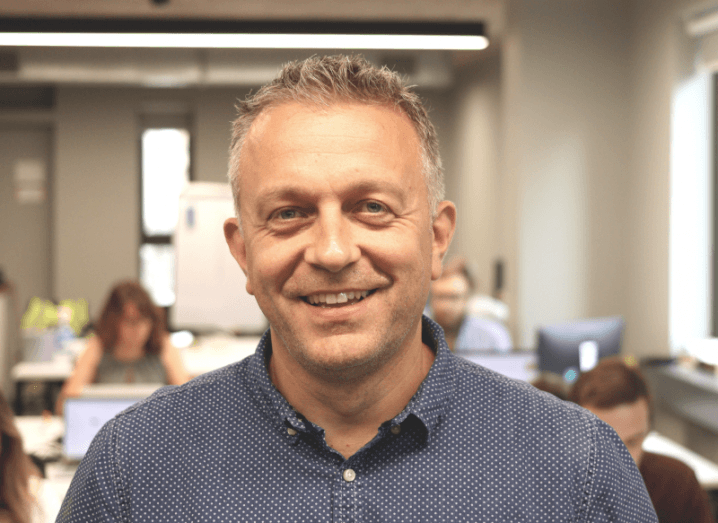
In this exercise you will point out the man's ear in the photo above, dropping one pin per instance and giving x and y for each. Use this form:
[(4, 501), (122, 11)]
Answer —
[(235, 241), (443, 229)]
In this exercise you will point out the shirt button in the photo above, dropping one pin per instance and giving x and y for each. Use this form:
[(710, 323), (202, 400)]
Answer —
[(395, 429), (291, 431), (349, 475)]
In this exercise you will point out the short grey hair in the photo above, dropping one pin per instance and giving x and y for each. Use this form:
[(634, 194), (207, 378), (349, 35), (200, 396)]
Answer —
[(325, 80)]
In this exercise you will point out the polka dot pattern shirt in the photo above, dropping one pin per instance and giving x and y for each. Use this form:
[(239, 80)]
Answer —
[(471, 445)]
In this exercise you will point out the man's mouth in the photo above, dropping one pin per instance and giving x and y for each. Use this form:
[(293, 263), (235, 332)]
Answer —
[(338, 299)]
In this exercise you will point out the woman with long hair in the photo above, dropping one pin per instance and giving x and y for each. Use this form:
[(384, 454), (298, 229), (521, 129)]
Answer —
[(131, 345), (17, 504)]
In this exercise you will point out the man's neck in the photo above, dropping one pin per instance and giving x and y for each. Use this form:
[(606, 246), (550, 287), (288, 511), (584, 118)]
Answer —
[(350, 412)]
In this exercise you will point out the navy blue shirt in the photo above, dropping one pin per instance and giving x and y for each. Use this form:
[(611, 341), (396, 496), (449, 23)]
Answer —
[(471, 445)]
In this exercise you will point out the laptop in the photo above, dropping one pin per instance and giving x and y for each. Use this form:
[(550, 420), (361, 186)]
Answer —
[(98, 404)]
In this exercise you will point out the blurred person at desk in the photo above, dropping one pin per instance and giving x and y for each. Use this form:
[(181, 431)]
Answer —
[(449, 303), (130, 345), (24, 495), (617, 393)]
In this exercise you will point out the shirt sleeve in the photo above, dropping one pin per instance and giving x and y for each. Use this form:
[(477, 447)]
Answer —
[(614, 490), (95, 493)]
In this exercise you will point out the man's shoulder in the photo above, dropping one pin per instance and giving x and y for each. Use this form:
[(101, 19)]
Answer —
[(552, 445), (511, 400), (210, 394)]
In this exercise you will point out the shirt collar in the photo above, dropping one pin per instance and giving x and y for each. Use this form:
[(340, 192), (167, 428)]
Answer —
[(427, 405)]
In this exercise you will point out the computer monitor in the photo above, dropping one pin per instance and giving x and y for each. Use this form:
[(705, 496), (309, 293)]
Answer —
[(84, 417), (576, 346), (97, 404)]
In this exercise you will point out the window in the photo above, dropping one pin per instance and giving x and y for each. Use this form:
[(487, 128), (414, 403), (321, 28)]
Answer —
[(165, 169)]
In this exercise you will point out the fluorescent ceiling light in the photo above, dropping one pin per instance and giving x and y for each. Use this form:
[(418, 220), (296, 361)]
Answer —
[(243, 34), (245, 41)]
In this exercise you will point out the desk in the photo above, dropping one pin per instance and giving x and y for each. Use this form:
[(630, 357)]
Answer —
[(59, 476), (691, 394), (40, 435), (706, 471)]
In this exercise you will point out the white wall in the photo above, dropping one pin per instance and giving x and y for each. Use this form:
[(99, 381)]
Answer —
[(565, 158), (96, 193), (473, 173)]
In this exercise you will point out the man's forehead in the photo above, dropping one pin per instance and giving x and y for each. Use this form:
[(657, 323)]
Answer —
[(284, 138), (293, 112)]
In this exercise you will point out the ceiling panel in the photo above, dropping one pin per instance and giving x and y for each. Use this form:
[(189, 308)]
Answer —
[(490, 11)]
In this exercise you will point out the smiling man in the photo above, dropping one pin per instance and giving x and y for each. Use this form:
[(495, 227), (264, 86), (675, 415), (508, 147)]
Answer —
[(353, 408)]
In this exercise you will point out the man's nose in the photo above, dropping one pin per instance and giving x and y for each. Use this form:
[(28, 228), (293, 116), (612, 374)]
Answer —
[(333, 246)]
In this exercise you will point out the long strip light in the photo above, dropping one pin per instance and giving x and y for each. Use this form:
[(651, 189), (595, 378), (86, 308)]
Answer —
[(245, 41), (243, 35)]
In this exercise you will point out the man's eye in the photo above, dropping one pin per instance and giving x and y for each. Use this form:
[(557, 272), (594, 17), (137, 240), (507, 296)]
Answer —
[(287, 214), (374, 207)]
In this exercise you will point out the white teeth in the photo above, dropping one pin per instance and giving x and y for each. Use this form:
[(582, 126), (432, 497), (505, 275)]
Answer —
[(331, 299)]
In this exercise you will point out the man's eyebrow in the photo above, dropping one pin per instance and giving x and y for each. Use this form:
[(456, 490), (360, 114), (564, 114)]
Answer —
[(283, 193), (301, 192), (368, 186)]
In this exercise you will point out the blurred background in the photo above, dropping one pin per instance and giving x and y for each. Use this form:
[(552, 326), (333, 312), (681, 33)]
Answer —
[(578, 148)]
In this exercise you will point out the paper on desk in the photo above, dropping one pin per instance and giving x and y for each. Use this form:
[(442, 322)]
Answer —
[(40, 435)]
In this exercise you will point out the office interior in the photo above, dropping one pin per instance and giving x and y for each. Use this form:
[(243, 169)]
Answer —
[(578, 148)]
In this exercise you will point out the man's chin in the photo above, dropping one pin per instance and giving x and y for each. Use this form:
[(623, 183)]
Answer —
[(342, 364), (341, 358)]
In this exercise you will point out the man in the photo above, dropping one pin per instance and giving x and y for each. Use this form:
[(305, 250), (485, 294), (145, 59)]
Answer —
[(618, 395), (462, 331), (353, 407)]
